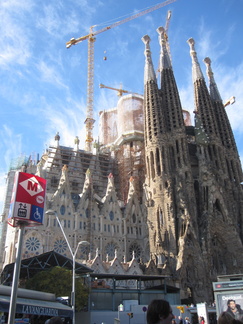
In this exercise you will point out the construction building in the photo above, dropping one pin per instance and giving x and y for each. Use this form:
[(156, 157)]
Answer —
[(157, 196)]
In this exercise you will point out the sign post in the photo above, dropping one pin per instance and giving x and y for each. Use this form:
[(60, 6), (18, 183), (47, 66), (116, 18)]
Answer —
[(26, 209)]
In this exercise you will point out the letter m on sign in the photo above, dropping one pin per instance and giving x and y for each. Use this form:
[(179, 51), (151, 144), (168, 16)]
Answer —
[(32, 186)]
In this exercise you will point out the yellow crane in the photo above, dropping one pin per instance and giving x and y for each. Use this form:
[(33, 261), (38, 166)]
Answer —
[(89, 121), (119, 91), (230, 101)]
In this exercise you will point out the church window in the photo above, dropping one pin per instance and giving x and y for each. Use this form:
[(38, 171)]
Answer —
[(54, 181), (134, 218), (74, 184), (110, 249), (158, 162), (60, 246), (128, 231), (111, 214), (87, 212), (94, 226), (109, 227), (152, 164), (62, 210), (69, 223), (105, 227), (84, 225), (65, 223), (32, 244), (117, 228), (136, 249)]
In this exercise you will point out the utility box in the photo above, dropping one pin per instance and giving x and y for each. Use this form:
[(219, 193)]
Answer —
[(229, 295)]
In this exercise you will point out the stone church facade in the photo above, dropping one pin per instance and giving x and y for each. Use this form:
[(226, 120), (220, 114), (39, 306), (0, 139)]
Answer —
[(157, 195)]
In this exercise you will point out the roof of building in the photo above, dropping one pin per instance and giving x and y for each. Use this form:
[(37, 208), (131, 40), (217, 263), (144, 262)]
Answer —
[(30, 266)]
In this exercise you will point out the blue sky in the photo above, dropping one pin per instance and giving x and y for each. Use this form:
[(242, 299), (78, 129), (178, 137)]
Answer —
[(43, 84)]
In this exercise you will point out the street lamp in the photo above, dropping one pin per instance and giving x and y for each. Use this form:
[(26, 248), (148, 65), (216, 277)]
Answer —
[(84, 243)]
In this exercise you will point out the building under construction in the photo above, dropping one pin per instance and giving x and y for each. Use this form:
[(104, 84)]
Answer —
[(156, 196)]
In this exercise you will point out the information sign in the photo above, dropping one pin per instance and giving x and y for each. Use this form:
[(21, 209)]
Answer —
[(28, 200)]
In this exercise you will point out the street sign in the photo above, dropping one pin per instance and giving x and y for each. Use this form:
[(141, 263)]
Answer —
[(28, 200)]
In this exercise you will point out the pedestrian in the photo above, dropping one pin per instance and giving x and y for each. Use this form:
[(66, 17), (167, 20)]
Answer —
[(187, 320), (54, 320), (201, 320), (180, 320), (159, 312)]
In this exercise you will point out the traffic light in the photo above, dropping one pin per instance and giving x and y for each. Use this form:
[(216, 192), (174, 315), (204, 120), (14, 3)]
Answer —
[(181, 308), (130, 315)]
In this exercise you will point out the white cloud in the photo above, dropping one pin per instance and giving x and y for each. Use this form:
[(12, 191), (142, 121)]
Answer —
[(15, 36), (49, 73), (12, 142), (68, 121)]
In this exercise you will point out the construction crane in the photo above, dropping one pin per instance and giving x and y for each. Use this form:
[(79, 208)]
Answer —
[(230, 101), (119, 91), (89, 121)]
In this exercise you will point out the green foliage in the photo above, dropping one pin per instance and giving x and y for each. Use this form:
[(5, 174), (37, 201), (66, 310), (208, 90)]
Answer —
[(58, 281)]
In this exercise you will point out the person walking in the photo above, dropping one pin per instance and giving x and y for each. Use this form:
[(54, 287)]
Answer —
[(159, 312)]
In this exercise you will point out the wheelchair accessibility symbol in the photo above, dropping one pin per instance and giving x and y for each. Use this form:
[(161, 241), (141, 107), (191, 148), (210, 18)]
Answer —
[(36, 214)]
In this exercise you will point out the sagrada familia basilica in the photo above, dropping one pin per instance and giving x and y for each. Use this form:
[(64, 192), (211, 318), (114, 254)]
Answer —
[(156, 196)]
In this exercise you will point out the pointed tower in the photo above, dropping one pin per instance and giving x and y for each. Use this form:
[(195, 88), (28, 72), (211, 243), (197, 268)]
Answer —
[(218, 189), (203, 102), (224, 128), (171, 204)]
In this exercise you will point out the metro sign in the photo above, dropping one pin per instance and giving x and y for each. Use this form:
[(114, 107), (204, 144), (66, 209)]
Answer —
[(32, 186), (28, 200)]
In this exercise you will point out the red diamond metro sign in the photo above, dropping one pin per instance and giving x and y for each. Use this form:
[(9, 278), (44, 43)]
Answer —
[(28, 200)]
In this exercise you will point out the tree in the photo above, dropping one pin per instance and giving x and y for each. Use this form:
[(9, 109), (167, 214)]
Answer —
[(58, 281)]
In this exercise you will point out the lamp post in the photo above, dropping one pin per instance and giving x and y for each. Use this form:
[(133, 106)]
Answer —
[(84, 243)]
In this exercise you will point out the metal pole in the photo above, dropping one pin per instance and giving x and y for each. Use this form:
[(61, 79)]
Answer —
[(73, 257), (73, 274), (73, 283), (12, 306), (73, 289)]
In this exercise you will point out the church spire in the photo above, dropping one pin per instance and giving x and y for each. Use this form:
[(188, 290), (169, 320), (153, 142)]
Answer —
[(224, 127), (213, 89), (165, 61), (203, 102), (196, 70), (149, 73)]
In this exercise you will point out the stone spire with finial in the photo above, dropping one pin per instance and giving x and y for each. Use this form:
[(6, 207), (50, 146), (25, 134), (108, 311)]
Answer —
[(165, 61), (196, 69), (213, 89), (149, 73)]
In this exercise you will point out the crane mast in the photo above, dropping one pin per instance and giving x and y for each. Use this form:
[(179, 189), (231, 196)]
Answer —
[(89, 121)]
